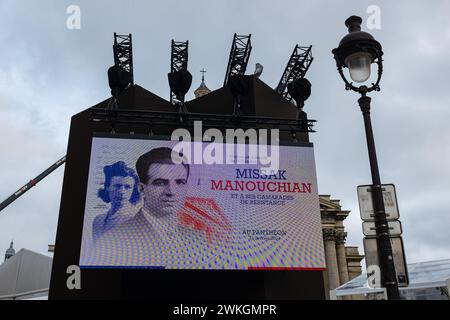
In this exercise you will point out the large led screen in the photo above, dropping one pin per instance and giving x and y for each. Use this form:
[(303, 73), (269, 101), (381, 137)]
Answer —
[(143, 210)]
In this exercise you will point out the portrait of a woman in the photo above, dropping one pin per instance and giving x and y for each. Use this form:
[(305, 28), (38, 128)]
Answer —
[(120, 190)]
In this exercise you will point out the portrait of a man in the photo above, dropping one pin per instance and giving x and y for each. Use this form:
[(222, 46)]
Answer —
[(163, 184), (154, 234)]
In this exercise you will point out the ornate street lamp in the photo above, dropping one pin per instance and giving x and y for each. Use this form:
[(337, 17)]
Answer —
[(357, 51)]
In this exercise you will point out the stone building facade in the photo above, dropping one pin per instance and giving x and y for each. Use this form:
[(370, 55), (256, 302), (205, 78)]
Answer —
[(343, 262)]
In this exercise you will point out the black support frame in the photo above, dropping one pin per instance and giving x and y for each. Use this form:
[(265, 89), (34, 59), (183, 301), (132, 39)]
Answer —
[(123, 53), (295, 69), (178, 61), (222, 121), (239, 56)]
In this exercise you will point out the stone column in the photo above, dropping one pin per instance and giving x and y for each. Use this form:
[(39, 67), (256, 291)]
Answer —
[(353, 262), (331, 258), (341, 256)]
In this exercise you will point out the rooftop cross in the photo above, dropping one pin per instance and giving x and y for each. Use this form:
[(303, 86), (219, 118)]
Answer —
[(203, 71)]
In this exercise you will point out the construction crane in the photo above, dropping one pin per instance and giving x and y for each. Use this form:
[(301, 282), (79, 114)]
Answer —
[(296, 69), (32, 183), (239, 55)]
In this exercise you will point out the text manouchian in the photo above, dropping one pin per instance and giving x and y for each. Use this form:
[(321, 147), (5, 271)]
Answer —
[(261, 186)]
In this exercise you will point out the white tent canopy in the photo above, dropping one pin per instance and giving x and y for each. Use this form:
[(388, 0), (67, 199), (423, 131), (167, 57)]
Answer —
[(27, 273), (422, 275)]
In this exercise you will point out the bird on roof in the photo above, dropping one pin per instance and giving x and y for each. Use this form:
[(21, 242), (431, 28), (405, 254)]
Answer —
[(258, 70)]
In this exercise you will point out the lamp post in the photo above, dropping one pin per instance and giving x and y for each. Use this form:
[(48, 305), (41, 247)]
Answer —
[(357, 51)]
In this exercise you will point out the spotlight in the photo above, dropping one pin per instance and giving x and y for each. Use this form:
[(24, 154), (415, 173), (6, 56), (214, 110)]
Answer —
[(180, 81), (119, 79), (300, 90)]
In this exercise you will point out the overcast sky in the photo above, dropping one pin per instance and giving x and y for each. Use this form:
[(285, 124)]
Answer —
[(49, 72)]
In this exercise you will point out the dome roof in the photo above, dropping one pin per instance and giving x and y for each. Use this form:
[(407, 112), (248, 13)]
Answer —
[(10, 251), (203, 89), (202, 86)]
